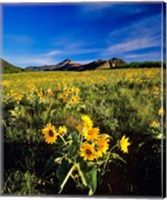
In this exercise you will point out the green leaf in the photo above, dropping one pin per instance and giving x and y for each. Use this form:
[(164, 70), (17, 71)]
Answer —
[(90, 175), (62, 170), (92, 180), (63, 177)]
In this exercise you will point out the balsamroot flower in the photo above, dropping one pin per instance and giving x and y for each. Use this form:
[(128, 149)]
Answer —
[(124, 143), (85, 125), (91, 134), (49, 133), (62, 130), (87, 122), (88, 152), (102, 144)]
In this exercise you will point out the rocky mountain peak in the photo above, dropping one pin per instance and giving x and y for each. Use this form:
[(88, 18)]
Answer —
[(67, 60), (69, 65)]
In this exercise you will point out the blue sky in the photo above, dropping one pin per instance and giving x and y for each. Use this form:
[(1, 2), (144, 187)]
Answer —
[(38, 34)]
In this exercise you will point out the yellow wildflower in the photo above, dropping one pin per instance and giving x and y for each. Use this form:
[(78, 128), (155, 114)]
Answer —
[(92, 134), (70, 90), (65, 94), (124, 143), (77, 98), (18, 97), (102, 144), (62, 130), (85, 125), (160, 112), (5, 83), (49, 133), (49, 92), (88, 124), (72, 100), (154, 124), (40, 93), (77, 90), (88, 152)]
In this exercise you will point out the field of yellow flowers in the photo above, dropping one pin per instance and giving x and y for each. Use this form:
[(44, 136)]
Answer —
[(93, 132)]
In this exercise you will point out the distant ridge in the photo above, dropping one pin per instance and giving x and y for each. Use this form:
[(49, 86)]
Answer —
[(69, 65), (7, 67)]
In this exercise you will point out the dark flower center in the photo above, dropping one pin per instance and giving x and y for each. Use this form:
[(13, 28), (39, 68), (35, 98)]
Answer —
[(51, 134), (88, 152)]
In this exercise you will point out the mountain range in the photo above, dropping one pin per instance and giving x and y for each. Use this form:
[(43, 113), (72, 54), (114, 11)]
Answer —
[(69, 65)]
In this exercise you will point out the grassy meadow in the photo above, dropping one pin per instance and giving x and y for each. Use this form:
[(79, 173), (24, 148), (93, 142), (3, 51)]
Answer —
[(119, 102)]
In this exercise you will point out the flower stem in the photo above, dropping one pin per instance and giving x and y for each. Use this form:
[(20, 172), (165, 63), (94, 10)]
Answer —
[(62, 139), (66, 178), (108, 156), (81, 175)]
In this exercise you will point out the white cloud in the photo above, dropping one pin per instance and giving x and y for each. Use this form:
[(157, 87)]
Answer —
[(29, 60), (146, 27), (145, 33), (144, 56), (52, 53), (75, 47), (101, 9), (119, 8), (97, 10), (96, 6), (134, 44), (82, 51), (34, 59), (141, 55)]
